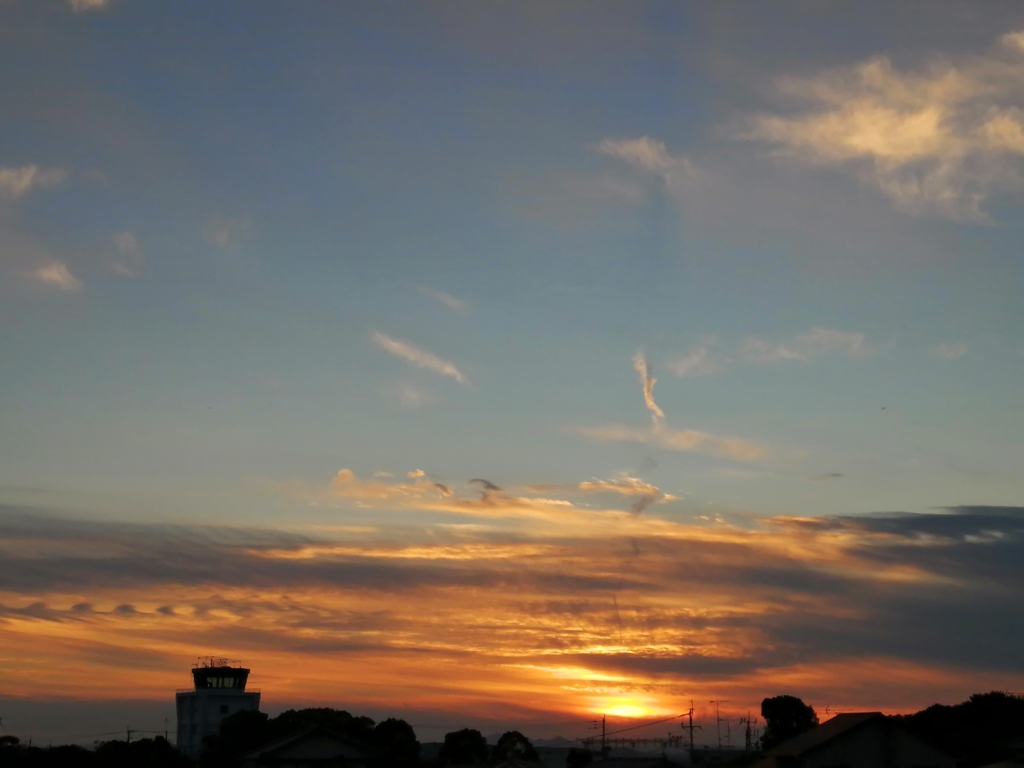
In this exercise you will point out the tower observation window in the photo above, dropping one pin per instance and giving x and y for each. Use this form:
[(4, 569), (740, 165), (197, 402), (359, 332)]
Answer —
[(223, 682)]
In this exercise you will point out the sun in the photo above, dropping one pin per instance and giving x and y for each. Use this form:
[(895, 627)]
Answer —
[(627, 710)]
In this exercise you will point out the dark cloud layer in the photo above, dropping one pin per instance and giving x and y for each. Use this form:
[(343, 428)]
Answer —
[(940, 588)]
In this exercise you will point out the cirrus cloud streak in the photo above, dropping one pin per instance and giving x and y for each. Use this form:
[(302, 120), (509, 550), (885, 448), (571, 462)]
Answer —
[(417, 356)]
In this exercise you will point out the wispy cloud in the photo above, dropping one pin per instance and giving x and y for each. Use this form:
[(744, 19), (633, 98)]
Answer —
[(475, 498), (418, 356), (949, 350), (938, 140), (87, 5), (649, 156), (668, 439), (826, 476), (647, 382), (644, 152), (454, 304), (699, 361), (130, 257), (57, 274), (659, 434), (408, 396), (627, 485), (347, 484), (706, 359), (830, 340), (757, 350), (817, 341), (18, 182), (623, 483)]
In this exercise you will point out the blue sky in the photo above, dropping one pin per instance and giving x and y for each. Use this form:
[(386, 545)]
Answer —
[(245, 246)]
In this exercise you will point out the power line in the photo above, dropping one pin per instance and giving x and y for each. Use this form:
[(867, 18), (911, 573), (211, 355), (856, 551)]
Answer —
[(107, 733), (644, 725), (89, 735), (606, 733), (575, 720)]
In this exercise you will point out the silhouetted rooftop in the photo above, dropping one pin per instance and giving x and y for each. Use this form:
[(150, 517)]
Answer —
[(818, 735)]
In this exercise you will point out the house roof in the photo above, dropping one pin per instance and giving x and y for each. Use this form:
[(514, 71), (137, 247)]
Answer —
[(313, 742), (840, 724)]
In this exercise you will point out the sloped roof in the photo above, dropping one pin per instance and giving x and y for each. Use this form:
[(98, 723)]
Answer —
[(840, 724), (313, 742)]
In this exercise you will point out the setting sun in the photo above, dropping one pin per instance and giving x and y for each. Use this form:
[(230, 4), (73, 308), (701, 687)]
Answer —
[(627, 710)]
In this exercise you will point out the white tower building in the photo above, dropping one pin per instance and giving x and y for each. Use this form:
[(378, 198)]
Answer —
[(218, 692)]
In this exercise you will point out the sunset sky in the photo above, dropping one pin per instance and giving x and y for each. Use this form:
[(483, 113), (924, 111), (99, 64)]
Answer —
[(502, 364)]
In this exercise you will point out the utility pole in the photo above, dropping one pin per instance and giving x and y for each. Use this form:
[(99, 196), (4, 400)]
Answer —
[(604, 732), (691, 726), (129, 732), (718, 723)]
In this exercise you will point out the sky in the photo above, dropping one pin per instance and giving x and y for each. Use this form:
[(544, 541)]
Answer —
[(508, 364)]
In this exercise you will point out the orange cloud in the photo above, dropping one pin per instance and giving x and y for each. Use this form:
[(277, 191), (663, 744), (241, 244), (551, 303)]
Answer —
[(569, 614)]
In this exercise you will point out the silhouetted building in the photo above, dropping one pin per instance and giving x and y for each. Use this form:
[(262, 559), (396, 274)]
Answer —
[(315, 746), (856, 740), (218, 692)]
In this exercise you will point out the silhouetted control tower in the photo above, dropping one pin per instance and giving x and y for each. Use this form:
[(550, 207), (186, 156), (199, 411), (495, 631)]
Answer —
[(219, 692)]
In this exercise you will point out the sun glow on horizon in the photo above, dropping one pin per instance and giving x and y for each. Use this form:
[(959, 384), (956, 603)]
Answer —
[(626, 709)]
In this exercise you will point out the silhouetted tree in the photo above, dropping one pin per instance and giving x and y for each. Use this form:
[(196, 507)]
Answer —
[(577, 758), (357, 728), (397, 743), (784, 718), (979, 728), (514, 744), (65, 756), (151, 753), (245, 732), (239, 734), (463, 747), (156, 753)]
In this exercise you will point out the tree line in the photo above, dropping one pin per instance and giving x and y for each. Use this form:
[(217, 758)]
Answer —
[(981, 730), (975, 732)]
